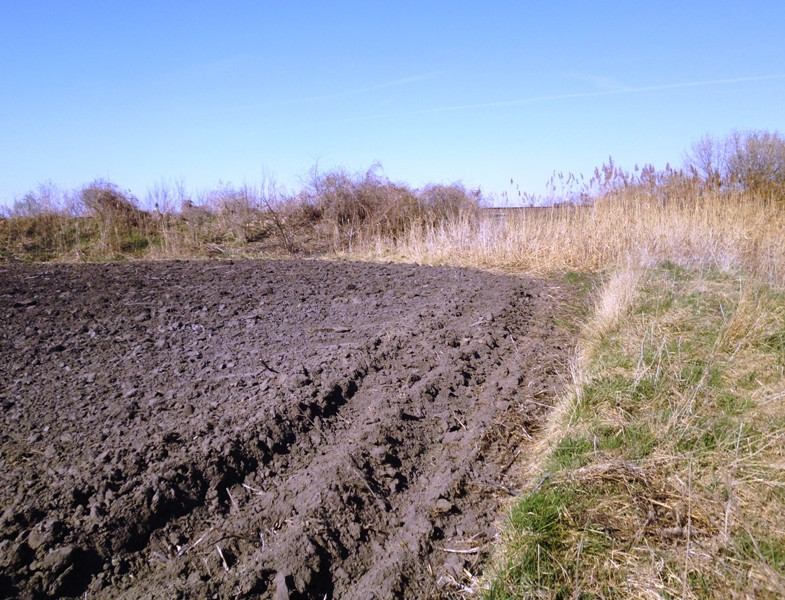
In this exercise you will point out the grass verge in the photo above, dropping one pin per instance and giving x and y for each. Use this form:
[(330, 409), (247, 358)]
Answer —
[(662, 471)]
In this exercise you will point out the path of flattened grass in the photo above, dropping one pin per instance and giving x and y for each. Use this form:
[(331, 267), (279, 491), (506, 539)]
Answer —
[(664, 474)]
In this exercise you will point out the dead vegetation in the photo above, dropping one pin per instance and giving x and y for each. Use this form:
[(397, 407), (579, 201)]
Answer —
[(335, 212)]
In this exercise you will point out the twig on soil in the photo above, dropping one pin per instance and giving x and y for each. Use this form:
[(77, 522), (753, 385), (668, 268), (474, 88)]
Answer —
[(160, 557), (268, 367), (231, 498), (511, 461), (221, 554), (512, 338), (545, 478), (342, 418), (474, 550), (356, 470), (540, 404), (309, 419), (250, 488), (185, 549), (500, 486), (368, 485), (451, 581)]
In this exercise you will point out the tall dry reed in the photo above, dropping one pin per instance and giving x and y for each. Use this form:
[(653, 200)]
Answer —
[(711, 229)]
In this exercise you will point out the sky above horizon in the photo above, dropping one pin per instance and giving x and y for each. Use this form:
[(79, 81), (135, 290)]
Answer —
[(204, 93)]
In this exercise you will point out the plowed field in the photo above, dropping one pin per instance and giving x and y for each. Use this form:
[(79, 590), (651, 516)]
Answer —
[(263, 429)]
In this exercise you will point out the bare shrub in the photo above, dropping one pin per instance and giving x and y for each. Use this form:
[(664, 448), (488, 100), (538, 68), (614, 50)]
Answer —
[(752, 161), (165, 198), (46, 199), (228, 200), (757, 161), (449, 202), (105, 200), (354, 209)]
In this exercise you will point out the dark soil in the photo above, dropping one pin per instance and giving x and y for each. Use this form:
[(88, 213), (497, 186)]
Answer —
[(263, 429)]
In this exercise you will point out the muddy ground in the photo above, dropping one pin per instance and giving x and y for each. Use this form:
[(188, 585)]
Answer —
[(263, 429)]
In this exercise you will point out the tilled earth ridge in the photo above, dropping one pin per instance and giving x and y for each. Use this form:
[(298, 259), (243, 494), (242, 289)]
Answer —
[(263, 429)]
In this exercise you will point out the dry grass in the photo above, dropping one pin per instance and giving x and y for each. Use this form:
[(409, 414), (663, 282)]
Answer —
[(727, 230), (661, 474), (366, 216)]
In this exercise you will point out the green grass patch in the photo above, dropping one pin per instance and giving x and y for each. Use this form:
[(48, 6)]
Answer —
[(762, 547), (550, 542), (570, 453), (633, 442), (133, 243)]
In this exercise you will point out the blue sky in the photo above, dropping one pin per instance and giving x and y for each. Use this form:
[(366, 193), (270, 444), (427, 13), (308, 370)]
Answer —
[(200, 92)]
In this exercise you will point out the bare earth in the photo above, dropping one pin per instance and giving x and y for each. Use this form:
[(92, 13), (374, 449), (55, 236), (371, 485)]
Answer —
[(263, 429)]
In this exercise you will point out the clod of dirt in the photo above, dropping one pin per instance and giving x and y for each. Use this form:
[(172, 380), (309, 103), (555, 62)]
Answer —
[(262, 429)]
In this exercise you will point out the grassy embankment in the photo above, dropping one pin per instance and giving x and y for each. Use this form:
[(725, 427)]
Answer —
[(660, 473)]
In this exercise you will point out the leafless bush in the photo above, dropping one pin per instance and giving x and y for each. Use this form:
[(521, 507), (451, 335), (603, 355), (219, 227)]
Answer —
[(105, 200), (165, 198), (752, 161), (355, 208), (449, 202), (46, 199)]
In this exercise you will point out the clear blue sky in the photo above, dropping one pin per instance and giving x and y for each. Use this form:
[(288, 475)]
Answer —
[(479, 92)]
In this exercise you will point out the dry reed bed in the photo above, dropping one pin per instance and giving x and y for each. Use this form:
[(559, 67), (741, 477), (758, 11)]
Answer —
[(731, 231)]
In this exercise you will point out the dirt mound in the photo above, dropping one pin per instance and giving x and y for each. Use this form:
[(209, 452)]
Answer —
[(261, 429)]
